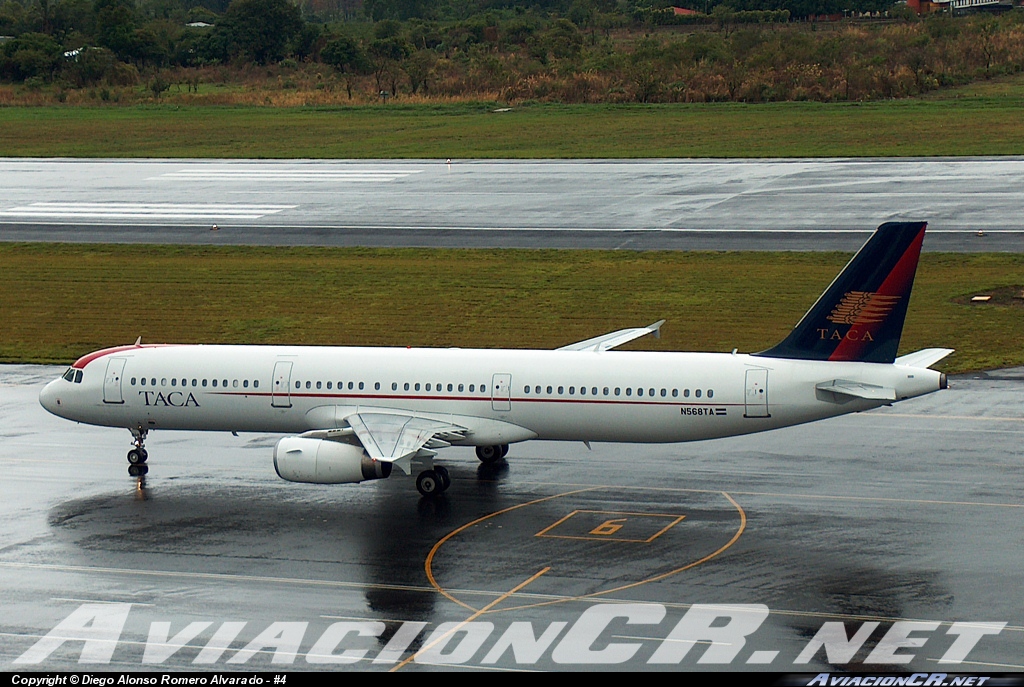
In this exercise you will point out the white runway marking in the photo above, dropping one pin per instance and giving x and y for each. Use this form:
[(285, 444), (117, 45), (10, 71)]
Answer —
[(253, 174), (144, 211)]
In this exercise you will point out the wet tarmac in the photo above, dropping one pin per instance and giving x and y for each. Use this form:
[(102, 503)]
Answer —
[(909, 513), (971, 204)]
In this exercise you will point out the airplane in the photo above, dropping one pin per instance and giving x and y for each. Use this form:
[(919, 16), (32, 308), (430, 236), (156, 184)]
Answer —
[(352, 414)]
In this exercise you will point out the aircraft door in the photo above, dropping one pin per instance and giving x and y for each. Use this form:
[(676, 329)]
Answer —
[(501, 392), (756, 398), (281, 390), (112, 381)]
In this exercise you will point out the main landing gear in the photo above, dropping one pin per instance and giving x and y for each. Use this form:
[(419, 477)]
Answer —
[(433, 482), (491, 454), (138, 456)]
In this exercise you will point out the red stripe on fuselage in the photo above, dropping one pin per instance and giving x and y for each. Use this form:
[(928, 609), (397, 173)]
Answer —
[(898, 283), (86, 359)]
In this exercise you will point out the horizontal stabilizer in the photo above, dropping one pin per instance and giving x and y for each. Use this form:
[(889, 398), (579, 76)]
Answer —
[(923, 358), (615, 339), (858, 390)]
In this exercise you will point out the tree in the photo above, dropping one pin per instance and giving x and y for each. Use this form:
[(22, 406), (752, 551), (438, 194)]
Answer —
[(261, 30)]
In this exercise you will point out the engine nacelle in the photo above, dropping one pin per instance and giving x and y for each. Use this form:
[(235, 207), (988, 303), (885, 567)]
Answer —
[(318, 461)]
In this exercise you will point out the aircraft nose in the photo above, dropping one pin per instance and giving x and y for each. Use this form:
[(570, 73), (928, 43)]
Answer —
[(49, 399)]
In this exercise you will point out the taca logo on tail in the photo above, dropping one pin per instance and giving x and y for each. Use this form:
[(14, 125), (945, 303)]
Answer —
[(860, 316)]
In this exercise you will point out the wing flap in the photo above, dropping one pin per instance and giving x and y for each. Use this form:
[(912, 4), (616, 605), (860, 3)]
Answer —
[(614, 339), (393, 437)]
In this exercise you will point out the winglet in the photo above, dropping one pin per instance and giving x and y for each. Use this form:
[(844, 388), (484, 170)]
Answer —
[(138, 341)]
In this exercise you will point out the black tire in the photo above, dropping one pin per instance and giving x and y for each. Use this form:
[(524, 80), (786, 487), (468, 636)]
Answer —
[(428, 483), (504, 450), (488, 454), (136, 457), (442, 473), (145, 454)]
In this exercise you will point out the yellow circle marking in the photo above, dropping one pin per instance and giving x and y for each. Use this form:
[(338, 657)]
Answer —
[(428, 564)]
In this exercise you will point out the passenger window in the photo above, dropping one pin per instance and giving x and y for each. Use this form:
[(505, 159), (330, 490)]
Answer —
[(350, 385), (407, 386), (224, 384), (329, 385), (360, 386), (428, 386), (536, 389), (163, 382), (153, 381), (629, 391), (143, 380), (460, 387), (195, 382), (526, 389), (255, 384), (616, 391), (319, 385), (675, 393), (416, 386), (686, 393), (394, 386), (697, 393), (174, 382), (204, 382), (593, 391), (561, 390), (549, 389), (664, 392), (69, 379), (449, 387), (376, 386), (245, 384), (483, 388), (606, 391), (298, 385), (711, 393), (309, 385), (215, 384), (650, 392), (639, 392), (471, 388)]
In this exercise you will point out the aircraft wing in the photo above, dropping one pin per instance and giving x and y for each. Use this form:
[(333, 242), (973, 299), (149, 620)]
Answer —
[(394, 438), (923, 358), (614, 339)]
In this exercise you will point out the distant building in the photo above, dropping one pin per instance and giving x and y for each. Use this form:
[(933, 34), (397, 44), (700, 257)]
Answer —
[(683, 12), (928, 6), (199, 25), (969, 6)]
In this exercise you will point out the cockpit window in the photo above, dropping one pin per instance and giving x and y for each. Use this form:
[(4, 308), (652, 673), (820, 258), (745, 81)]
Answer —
[(69, 375), (78, 376)]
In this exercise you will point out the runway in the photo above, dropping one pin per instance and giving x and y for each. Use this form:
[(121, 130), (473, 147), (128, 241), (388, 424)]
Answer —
[(904, 514), (810, 204)]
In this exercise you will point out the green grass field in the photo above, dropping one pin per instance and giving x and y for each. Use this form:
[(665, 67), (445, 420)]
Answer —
[(981, 119), (60, 301)]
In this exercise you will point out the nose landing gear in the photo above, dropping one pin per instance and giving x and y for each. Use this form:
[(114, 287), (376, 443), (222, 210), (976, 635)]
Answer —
[(138, 456)]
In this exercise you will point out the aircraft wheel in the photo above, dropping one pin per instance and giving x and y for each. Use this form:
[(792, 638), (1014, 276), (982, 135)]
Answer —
[(488, 454), (145, 455), (504, 450), (137, 456), (442, 473), (429, 484), (138, 470)]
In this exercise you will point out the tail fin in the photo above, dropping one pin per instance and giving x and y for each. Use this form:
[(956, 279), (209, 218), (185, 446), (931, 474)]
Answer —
[(860, 316)]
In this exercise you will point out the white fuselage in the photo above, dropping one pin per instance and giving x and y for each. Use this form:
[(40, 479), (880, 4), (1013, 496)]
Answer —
[(502, 396)]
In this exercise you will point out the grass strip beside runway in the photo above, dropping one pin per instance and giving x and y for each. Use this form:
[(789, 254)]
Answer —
[(980, 119), (58, 302)]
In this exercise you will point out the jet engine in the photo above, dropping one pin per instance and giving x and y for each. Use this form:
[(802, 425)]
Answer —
[(319, 461)]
